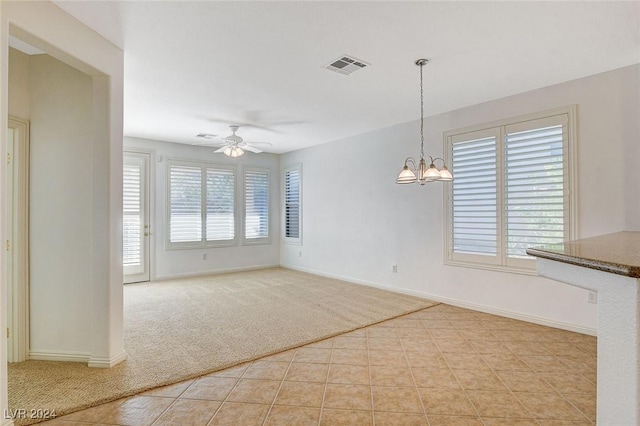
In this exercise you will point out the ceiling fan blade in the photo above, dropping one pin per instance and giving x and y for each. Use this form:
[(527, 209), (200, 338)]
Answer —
[(261, 117), (259, 143), (235, 122), (209, 143), (255, 121), (209, 139), (250, 148), (219, 150)]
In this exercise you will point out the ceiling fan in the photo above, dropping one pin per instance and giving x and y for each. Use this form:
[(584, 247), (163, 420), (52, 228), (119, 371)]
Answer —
[(256, 119), (232, 145)]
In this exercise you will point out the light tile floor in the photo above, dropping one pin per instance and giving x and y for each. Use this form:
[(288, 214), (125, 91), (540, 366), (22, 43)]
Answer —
[(440, 366)]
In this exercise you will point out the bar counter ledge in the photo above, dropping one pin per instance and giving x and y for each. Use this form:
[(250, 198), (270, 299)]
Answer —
[(609, 265)]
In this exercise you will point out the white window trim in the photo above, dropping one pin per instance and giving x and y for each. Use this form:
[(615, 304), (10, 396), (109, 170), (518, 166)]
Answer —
[(500, 263), (255, 241), (203, 165), (285, 239)]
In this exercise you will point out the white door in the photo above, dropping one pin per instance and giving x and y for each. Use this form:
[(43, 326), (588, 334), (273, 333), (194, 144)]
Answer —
[(136, 231)]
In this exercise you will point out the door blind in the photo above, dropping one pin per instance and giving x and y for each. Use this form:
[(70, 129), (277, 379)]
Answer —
[(220, 205), (256, 187), (474, 197), (185, 207), (132, 215), (534, 178), (292, 203)]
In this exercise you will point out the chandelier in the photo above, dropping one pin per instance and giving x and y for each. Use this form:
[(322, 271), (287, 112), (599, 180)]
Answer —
[(419, 170)]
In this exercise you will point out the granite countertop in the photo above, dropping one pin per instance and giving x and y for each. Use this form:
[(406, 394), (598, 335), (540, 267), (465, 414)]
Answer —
[(617, 253)]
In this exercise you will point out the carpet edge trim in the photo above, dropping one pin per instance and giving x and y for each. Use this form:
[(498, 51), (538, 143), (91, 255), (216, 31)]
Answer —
[(430, 304)]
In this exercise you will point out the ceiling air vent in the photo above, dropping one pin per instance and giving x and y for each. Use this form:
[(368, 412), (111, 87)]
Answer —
[(346, 65)]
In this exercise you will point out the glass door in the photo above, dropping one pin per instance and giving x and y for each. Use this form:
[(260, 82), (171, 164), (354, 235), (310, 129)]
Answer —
[(135, 217)]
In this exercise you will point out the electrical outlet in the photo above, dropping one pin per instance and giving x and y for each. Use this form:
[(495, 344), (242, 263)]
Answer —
[(593, 297), (204, 256), (394, 268)]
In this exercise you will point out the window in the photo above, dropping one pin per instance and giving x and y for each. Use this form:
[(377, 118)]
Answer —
[(201, 207), (292, 179), (220, 205), (256, 205), (512, 189)]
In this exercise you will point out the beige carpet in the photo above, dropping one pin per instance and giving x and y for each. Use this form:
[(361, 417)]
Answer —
[(179, 329)]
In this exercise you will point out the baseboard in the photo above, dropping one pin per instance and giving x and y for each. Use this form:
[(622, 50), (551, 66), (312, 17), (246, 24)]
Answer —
[(214, 272), (106, 362), (349, 279), (456, 302), (514, 315), (91, 361), (59, 356)]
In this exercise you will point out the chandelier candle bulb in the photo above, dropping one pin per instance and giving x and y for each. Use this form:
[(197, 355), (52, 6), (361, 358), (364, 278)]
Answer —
[(419, 170)]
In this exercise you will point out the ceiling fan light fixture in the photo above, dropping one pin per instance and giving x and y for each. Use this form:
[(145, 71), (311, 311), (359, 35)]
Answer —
[(232, 151)]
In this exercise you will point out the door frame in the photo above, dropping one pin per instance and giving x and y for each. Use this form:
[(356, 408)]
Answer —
[(150, 177), (17, 244)]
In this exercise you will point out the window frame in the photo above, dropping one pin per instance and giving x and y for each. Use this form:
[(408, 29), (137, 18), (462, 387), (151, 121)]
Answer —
[(285, 170), (255, 241), (203, 243), (501, 262)]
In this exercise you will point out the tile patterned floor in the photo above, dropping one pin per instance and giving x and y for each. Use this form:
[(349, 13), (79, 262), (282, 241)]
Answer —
[(439, 366)]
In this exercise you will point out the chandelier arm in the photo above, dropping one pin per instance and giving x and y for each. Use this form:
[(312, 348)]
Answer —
[(413, 162)]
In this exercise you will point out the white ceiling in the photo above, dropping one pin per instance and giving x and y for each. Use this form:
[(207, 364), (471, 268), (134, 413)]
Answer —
[(193, 67)]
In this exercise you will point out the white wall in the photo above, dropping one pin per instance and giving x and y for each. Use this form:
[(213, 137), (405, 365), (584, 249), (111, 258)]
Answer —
[(60, 209), (58, 101), (19, 84), (358, 222), (630, 100), (175, 263)]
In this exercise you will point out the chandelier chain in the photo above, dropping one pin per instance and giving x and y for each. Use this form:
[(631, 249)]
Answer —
[(421, 115)]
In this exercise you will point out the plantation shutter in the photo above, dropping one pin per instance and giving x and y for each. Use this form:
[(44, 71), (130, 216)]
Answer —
[(220, 205), (512, 189), (132, 215), (256, 192), (185, 204), (292, 203), (474, 196), (534, 185)]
